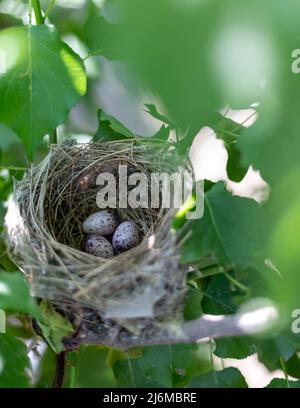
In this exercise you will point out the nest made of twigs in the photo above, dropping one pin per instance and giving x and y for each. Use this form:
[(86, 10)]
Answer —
[(142, 286)]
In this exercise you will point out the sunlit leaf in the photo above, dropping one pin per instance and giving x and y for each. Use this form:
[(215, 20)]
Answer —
[(14, 294), (13, 363), (44, 78)]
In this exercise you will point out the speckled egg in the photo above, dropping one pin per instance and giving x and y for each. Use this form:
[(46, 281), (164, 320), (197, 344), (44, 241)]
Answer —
[(97, 245), (102, 222), (126, 236)]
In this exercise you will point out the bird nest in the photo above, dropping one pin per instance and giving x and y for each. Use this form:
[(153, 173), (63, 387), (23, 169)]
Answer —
[(129, 296)]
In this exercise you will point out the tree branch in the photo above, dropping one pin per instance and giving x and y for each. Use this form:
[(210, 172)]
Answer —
[(208, 326)]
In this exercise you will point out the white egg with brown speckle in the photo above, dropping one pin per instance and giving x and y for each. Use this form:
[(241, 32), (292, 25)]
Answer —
[(126, 236), (102, 222), (99, 246)]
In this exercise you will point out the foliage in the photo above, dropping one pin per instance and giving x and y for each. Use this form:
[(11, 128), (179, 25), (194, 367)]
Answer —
[(38, 100), (14, 361), (227, 378), (191, 59), (53, 326)]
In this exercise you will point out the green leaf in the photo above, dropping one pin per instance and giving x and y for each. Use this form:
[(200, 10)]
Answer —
[(7, 20), (5, 190), (173, 66), (217, 297), (13, 152), (163, 133), (292, 366), (230, 131), (228, 230), (92, 368), (270, 351), (163, 366), (192, 304), (235, 171), (54, 326), (44, 79), (152, 110), (228, 378), (15, 294), (116, 125), (255, 280), (102, 37), (110, 129), (282, 383), (236, 347), (153, 369), (13, 362), (189, 360), (46, 369), (5, 262)]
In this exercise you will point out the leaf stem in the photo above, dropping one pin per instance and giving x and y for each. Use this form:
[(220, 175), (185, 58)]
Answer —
[(284, 371), (38, 12), (236, 283), (50, 7)]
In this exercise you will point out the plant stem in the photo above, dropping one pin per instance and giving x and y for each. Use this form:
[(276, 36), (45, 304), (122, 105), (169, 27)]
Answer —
[(59, 370), (53, 137), (38, 12), (73, 374)]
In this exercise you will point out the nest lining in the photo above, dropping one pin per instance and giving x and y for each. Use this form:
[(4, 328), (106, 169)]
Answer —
[(135, 291)]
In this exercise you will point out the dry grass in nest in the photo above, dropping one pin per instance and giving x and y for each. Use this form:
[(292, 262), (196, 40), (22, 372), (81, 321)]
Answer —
[(140, 288)]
